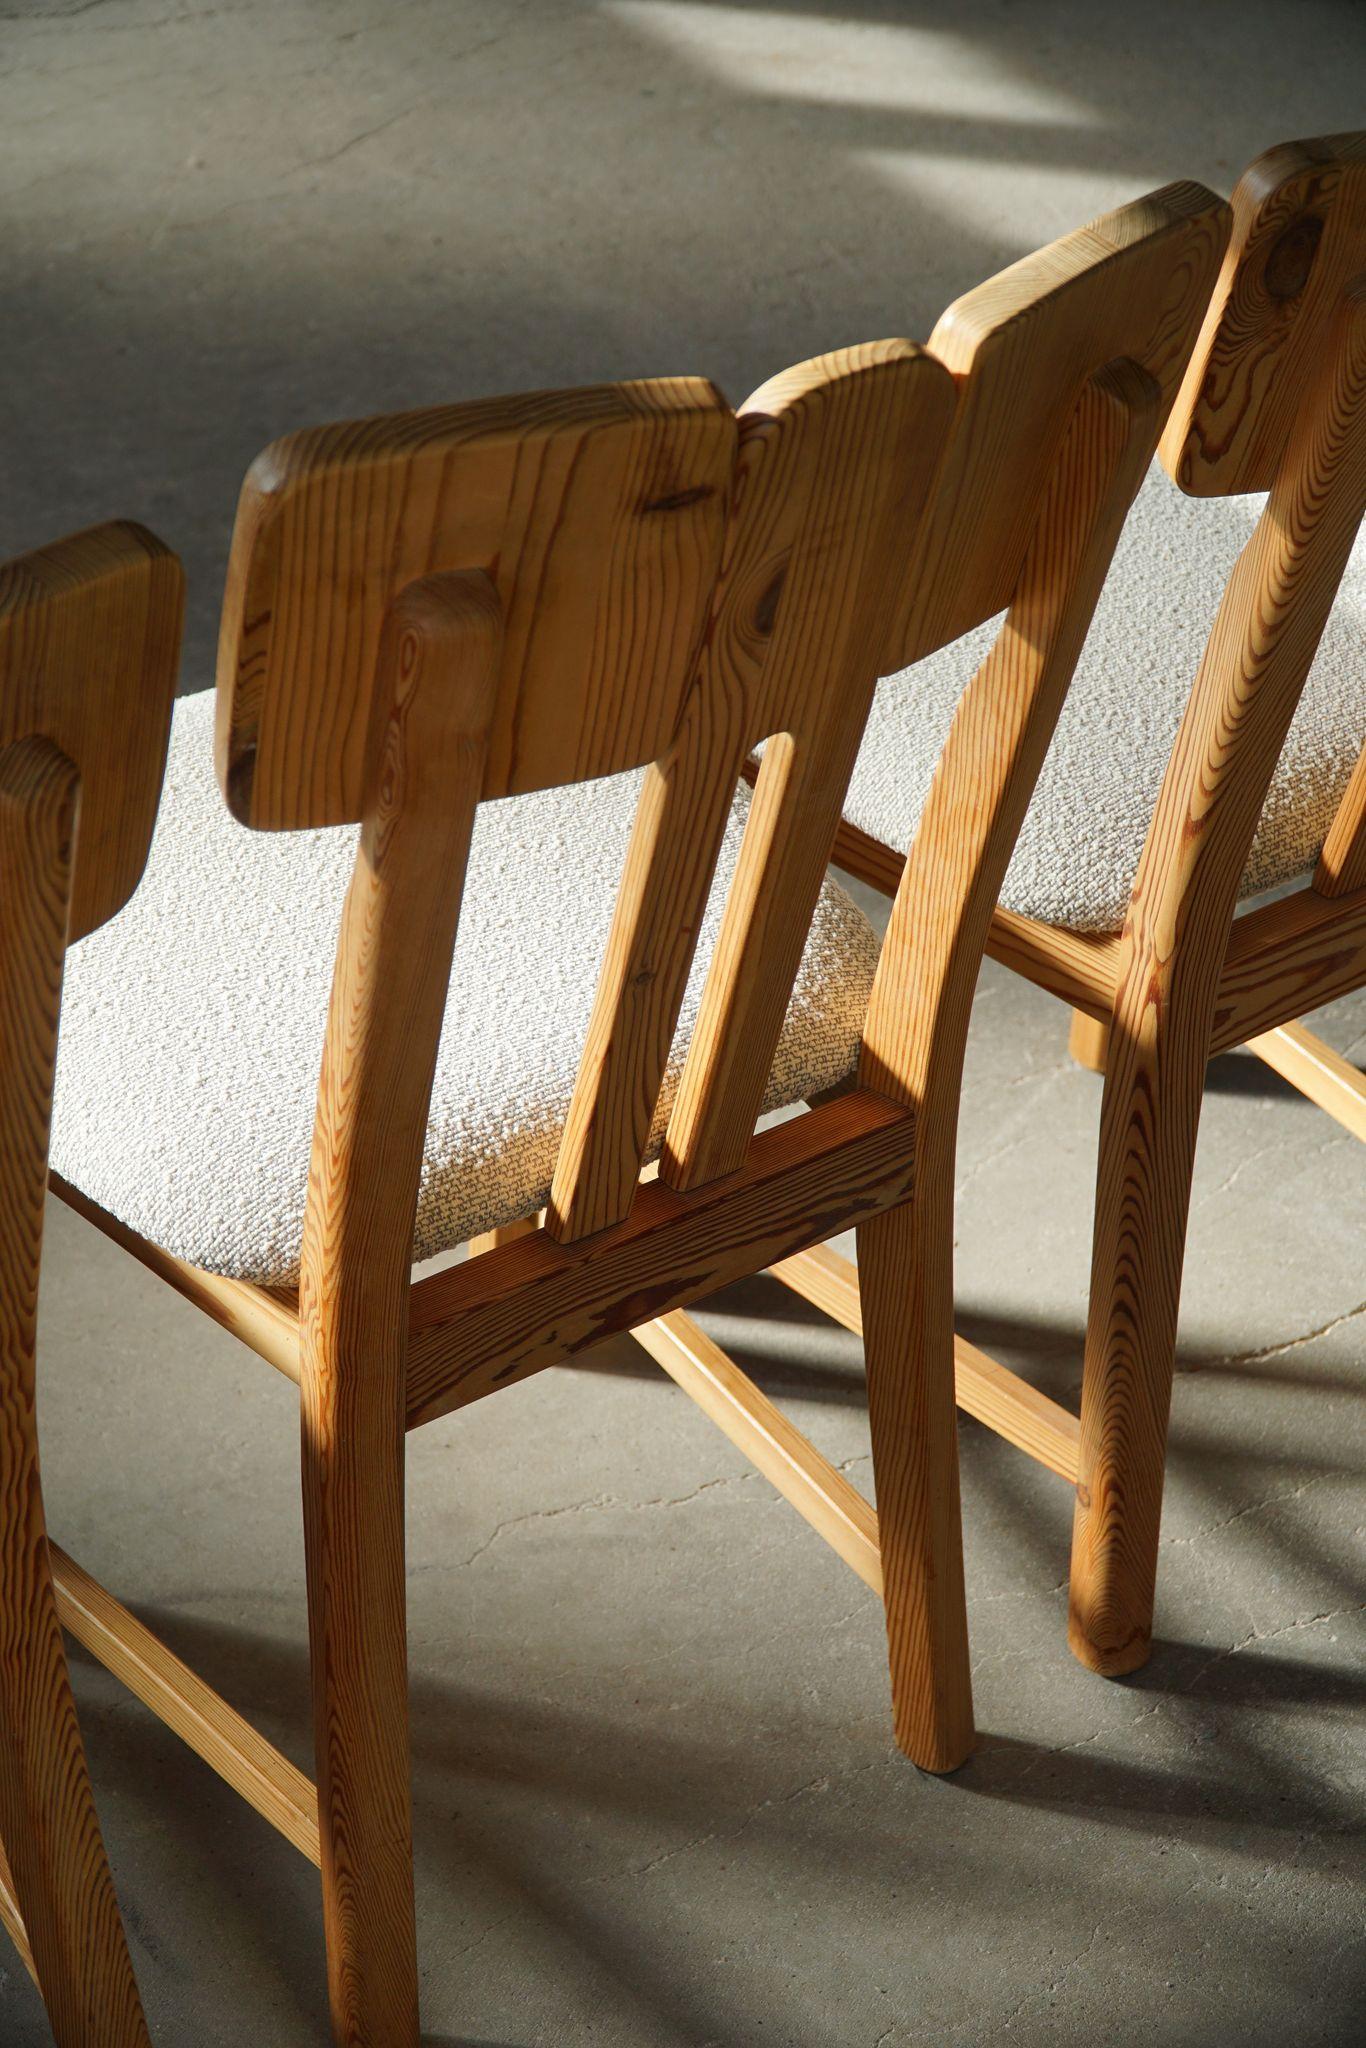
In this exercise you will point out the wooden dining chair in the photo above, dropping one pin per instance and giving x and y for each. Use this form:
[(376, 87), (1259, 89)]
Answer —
[(528, 646), (1211, 749), (89, 647)]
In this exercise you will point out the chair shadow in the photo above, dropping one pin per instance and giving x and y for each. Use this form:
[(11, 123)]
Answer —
[(1253, 1781), (1243, 1074), (497, 1742), (1047, 1353), (490, 1740), (486, 1741), (770, 1332), (468, 2041)]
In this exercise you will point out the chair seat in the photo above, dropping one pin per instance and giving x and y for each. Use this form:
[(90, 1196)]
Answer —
[(192, 1025), (1075, 860)]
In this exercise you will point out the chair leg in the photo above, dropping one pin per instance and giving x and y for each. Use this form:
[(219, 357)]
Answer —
[(1149, 1124), (1088, 1041), (61, 1883), (58, 1869), (906, 1286), (353, 1469)]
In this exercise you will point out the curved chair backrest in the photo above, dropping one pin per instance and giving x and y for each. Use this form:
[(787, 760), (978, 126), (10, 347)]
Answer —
[(598, 517), (89, 650), (670, 583), (1298, 246), (1274, 400), (1131, 284), (89, 647)]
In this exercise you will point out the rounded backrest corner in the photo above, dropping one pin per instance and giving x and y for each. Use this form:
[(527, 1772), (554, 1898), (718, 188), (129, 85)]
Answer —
[(1298, 244), (597, 515), (90, 630), (1131, 285)]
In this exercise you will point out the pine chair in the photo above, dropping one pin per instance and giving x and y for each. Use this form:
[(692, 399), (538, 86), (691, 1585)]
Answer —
[(511, 601), (1211, 748), (89, 647)]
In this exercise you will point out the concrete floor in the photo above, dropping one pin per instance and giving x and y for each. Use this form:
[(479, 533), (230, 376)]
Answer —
[(657, 1801)]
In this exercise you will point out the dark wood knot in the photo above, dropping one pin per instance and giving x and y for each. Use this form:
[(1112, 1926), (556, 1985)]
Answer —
[(1292, 257), (678, 501), (766, 611)]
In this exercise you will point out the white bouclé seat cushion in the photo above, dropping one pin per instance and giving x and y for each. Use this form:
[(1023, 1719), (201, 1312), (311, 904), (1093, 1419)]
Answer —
[(192, 1025), (1077, 856)]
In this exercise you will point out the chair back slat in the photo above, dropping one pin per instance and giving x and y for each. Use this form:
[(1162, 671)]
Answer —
[(597, 515), (1298, 244), (849, 449), (1023, 349), (1004, 720), (837, 458), (89, 652)]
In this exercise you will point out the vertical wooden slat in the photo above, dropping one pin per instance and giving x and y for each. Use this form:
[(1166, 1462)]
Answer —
[(853, 473)]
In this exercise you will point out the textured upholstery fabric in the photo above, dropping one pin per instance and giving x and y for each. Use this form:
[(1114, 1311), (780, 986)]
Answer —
[(1076, 858), (192, 1025)]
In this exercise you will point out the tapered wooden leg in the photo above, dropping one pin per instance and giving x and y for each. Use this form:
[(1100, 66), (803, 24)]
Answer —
[(60, 1878), (437, 670), (1149, 1124), (1088, 1041), (906, 1285), (353, 1460)]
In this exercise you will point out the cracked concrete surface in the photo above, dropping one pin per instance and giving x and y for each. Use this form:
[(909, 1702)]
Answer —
[(657, 1803)]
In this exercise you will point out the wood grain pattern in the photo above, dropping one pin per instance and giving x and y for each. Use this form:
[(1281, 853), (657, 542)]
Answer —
[(482, 600), (847, 448), (265, 1318), (89, 650), (1296, 248), (823, 408), (193, 1710), (1133, 283), (598, 517), (1282, 959), (835, 462), (983, 1387), (1015, 520), (611, 580), (1081, 967), (742, 1412), (1299, 245), (916, 1031), (58, 1872), (1285, 958), (489, 1322), (1317, 1071), (1341, 869), (1173, 948), (434, 704)]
